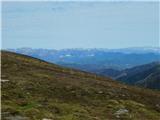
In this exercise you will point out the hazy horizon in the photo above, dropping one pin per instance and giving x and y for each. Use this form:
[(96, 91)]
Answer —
[(62, 25), (147, 47)]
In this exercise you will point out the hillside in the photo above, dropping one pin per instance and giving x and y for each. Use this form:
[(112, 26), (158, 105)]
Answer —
[(33, 89), (152, 81), (147, 75), (108, 72)]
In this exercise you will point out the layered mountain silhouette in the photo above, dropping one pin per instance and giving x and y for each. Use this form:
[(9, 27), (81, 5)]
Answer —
[(33, 89), (91, 59)]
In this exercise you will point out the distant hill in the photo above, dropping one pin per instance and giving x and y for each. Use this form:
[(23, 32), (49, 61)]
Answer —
[(152, 81), (145, 75), (33, 89), (91, 59)]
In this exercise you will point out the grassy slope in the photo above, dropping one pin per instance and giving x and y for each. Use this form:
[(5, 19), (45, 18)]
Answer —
[(37, 90)]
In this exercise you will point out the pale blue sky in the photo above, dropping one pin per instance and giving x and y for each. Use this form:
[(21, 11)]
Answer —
[(60, 25)]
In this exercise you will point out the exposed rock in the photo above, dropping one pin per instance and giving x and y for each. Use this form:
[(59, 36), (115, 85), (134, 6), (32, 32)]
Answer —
[(120, 112), (100, 92), (46, 119), (3, 80), (17, 117), (157, 105)]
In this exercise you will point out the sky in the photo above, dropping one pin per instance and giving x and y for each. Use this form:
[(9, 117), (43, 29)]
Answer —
[(59, 25)]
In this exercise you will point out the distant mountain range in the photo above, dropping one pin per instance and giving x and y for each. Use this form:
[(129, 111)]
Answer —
[(91, 59)]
